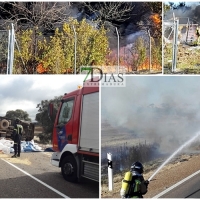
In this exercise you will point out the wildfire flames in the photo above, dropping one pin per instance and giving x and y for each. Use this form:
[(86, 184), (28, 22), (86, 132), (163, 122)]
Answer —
[(156, 19), (126, 57), (41, 69), (145, 66)]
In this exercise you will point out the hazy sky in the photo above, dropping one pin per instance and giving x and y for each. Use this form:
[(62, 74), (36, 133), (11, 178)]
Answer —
[(183, 12), (188, 3), (25, 92), (140, 107)]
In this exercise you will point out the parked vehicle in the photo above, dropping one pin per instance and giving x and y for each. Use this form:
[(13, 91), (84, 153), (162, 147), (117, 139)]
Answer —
[(76, 135)]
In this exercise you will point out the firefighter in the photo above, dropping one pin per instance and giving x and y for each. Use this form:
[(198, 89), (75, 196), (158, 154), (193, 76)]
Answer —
[(198, 35), (17, 134), (135, 186)]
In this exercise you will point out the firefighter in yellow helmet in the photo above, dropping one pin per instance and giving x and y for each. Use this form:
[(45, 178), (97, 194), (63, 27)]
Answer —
[(135, 186), (198, 35)]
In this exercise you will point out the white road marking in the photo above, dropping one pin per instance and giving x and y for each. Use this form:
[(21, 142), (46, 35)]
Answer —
[(175, 185), (48, 186)]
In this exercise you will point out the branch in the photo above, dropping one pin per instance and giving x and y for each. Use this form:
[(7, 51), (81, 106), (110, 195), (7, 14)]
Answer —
[(44, 15), (111, 11)]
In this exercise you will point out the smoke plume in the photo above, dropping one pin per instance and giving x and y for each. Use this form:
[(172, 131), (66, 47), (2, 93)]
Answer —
[(163, 109), (191, 10), (137, 24)]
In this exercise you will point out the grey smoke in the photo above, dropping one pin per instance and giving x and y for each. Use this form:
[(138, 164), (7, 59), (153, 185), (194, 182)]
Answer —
[(134, 36), (138, 21), (163, 109), (191, 11)]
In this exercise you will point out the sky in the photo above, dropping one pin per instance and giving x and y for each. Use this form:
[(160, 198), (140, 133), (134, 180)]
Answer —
[(25, 92), (183, 11), (165, 109)]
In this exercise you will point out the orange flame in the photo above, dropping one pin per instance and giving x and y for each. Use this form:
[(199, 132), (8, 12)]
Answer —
[(145, 66), (127, 62), (41, 69), (156, 19)]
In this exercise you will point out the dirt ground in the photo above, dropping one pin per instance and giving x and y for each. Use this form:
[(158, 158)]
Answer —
[(178, 169)]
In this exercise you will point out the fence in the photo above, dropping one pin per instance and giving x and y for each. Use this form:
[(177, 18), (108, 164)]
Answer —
[(177, 31)]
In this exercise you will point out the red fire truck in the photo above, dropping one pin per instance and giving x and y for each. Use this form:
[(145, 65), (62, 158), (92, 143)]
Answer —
[(76, 135)]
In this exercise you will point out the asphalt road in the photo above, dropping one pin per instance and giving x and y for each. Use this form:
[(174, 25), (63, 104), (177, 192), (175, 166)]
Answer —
[(188, 189), (33, 176)]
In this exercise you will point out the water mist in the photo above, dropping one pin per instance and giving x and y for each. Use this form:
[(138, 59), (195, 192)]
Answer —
[(175, 153)]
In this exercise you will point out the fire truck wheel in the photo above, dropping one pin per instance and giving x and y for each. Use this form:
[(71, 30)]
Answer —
[(69, 169)]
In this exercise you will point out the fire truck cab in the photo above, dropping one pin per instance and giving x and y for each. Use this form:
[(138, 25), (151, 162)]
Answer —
[(76, 135)]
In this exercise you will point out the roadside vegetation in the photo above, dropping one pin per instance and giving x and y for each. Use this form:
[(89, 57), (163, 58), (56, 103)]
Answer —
[(56, 55), (124, 156)]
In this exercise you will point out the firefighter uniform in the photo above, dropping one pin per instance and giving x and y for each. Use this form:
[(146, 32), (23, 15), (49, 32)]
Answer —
[(133, 184), (138, 186), (17, 134)]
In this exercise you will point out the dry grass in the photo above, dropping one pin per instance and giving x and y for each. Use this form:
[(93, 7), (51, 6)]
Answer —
[(188, 59)]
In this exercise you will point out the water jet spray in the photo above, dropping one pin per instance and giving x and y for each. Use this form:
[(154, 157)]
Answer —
[(176, 152)]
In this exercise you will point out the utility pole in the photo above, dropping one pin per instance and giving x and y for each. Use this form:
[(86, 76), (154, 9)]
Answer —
[(175, 44), (11, 45), (149, 50), (117, 50), (75, 41)]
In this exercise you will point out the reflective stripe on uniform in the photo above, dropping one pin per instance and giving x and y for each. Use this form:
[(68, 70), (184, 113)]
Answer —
[(19, 127), (137, 186)]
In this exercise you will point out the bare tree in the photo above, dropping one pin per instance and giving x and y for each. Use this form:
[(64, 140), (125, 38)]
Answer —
[(110, 11), (42, 15)]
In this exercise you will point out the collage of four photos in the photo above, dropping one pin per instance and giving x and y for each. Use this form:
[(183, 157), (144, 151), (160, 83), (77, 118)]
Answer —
[(100, 99)]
